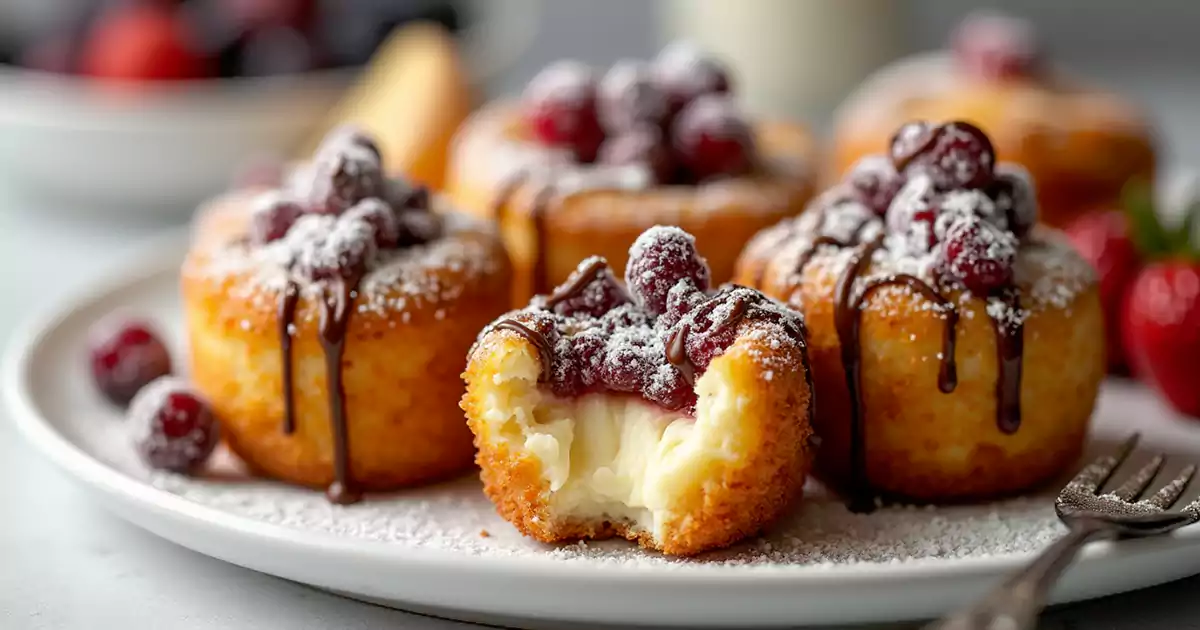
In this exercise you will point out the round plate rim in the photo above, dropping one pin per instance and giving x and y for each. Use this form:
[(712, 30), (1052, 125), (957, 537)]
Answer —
[(160, 254)]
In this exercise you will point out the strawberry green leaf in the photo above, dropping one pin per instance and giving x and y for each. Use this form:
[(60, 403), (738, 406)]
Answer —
[(1145, 228)]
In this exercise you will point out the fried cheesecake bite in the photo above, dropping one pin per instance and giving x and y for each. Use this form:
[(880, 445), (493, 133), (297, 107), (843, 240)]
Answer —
[(659, 411)]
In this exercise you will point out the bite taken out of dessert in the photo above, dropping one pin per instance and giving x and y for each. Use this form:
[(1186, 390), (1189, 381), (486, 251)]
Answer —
[(327, 321), (583, 163), (956, 346), (662, 410), (1080, 143)]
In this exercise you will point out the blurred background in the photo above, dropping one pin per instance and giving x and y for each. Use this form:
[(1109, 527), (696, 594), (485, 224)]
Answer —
[(135, 110)]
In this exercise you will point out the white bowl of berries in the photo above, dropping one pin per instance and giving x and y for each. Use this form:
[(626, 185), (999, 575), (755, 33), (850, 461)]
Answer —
[(146, 108)]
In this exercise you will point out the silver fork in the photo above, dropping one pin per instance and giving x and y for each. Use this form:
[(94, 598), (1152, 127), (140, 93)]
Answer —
[(1088, 515)]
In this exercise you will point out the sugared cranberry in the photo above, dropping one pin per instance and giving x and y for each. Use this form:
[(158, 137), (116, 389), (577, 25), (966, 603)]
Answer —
[(978, 254), (911, 140), (849, 220), (380, 216), (413, 198), (629, 97), (644, 146), (125, 357), (681, 300), (561, 110), (658, 260), (993, 46), (272, 220), (1014, 196), (667, 388), (958, 155), (348, 136), (172, 427), (912, 214), (876, 182), (599, 293), (587, 353), (685, 73), (711, 138), (343, 177), (626, 365), (713, 330), (343, 253)]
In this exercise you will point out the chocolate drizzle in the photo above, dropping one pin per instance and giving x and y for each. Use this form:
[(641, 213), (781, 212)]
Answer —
[(545, 350), (577, 284), (948, 372), (335, 319), (676, 350), (1010, 350), (287, 315)]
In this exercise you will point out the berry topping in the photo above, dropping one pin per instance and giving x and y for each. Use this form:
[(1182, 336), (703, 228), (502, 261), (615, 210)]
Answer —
[(628, 360), (644, 146), (668, 388), (955, 155), (381, 218), (658, 260), (561, 109), (712, 139), (629, 98), (342, 253), (681, 300), (912, 214), (348, 136), (978, 254), (993, 46), (272, 218), (125, 357), (172, 427), (875, 181), (685, 73), (591, 291), (343, 175), (1012, 192)]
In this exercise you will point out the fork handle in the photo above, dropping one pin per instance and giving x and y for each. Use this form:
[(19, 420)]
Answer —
[(1015, 604)]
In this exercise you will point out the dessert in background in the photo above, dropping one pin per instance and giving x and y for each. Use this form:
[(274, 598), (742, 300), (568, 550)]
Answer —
[(957, 348), (661, 410), (328, 320), (586, 161), (1080, 144)]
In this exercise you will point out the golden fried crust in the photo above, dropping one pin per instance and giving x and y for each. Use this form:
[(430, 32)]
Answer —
[(728, 502), (925, 445), (400, 365), (722, 216), (1080, 146)]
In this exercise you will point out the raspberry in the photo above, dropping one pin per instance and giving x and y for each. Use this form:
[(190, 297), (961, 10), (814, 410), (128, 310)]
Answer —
[(711, 139), (561, 110), (630, 98), (172, 427), (658, 260), (978, 254)]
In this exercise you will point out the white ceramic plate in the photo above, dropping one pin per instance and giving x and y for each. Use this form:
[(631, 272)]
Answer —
[(426, 549)]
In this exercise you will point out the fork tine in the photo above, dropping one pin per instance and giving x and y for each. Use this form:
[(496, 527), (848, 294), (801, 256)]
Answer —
[(1136, 485), (1170, 493), (1096, 474)]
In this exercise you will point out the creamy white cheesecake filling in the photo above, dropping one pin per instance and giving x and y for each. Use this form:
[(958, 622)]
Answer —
[(614, 457)]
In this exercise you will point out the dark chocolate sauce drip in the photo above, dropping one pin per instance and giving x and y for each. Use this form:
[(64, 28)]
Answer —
[(846, 321), (335, 318), (948, 372), (677, 353), (577, 284), (545, 350), (807, 255), (1010, 350), (287, 315)]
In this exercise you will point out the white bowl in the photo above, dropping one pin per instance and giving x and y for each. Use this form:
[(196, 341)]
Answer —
[(152, 149)]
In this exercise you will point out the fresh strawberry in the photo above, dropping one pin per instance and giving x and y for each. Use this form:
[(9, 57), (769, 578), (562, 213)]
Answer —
[(142, 41), (1162, 331), (1160, 324), (1103, 239)]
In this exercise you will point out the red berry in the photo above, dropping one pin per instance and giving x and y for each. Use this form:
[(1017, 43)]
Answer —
[(667, 387), (125, 357), (601, 293), (142, 41), (1161, 329), (659, 259), (272, 220), (1013, 193), (587, 353), (1103, 239), (561, 110), (955, 155), (345, 137), (913, 212), (875, 182), (711, 139), (343, 253), (978, 254), (993, 46), (627, 362), (172, 427), (644, 146), (685, 73), (379, 215), (344, 175), (681, 300), (629, 97)]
